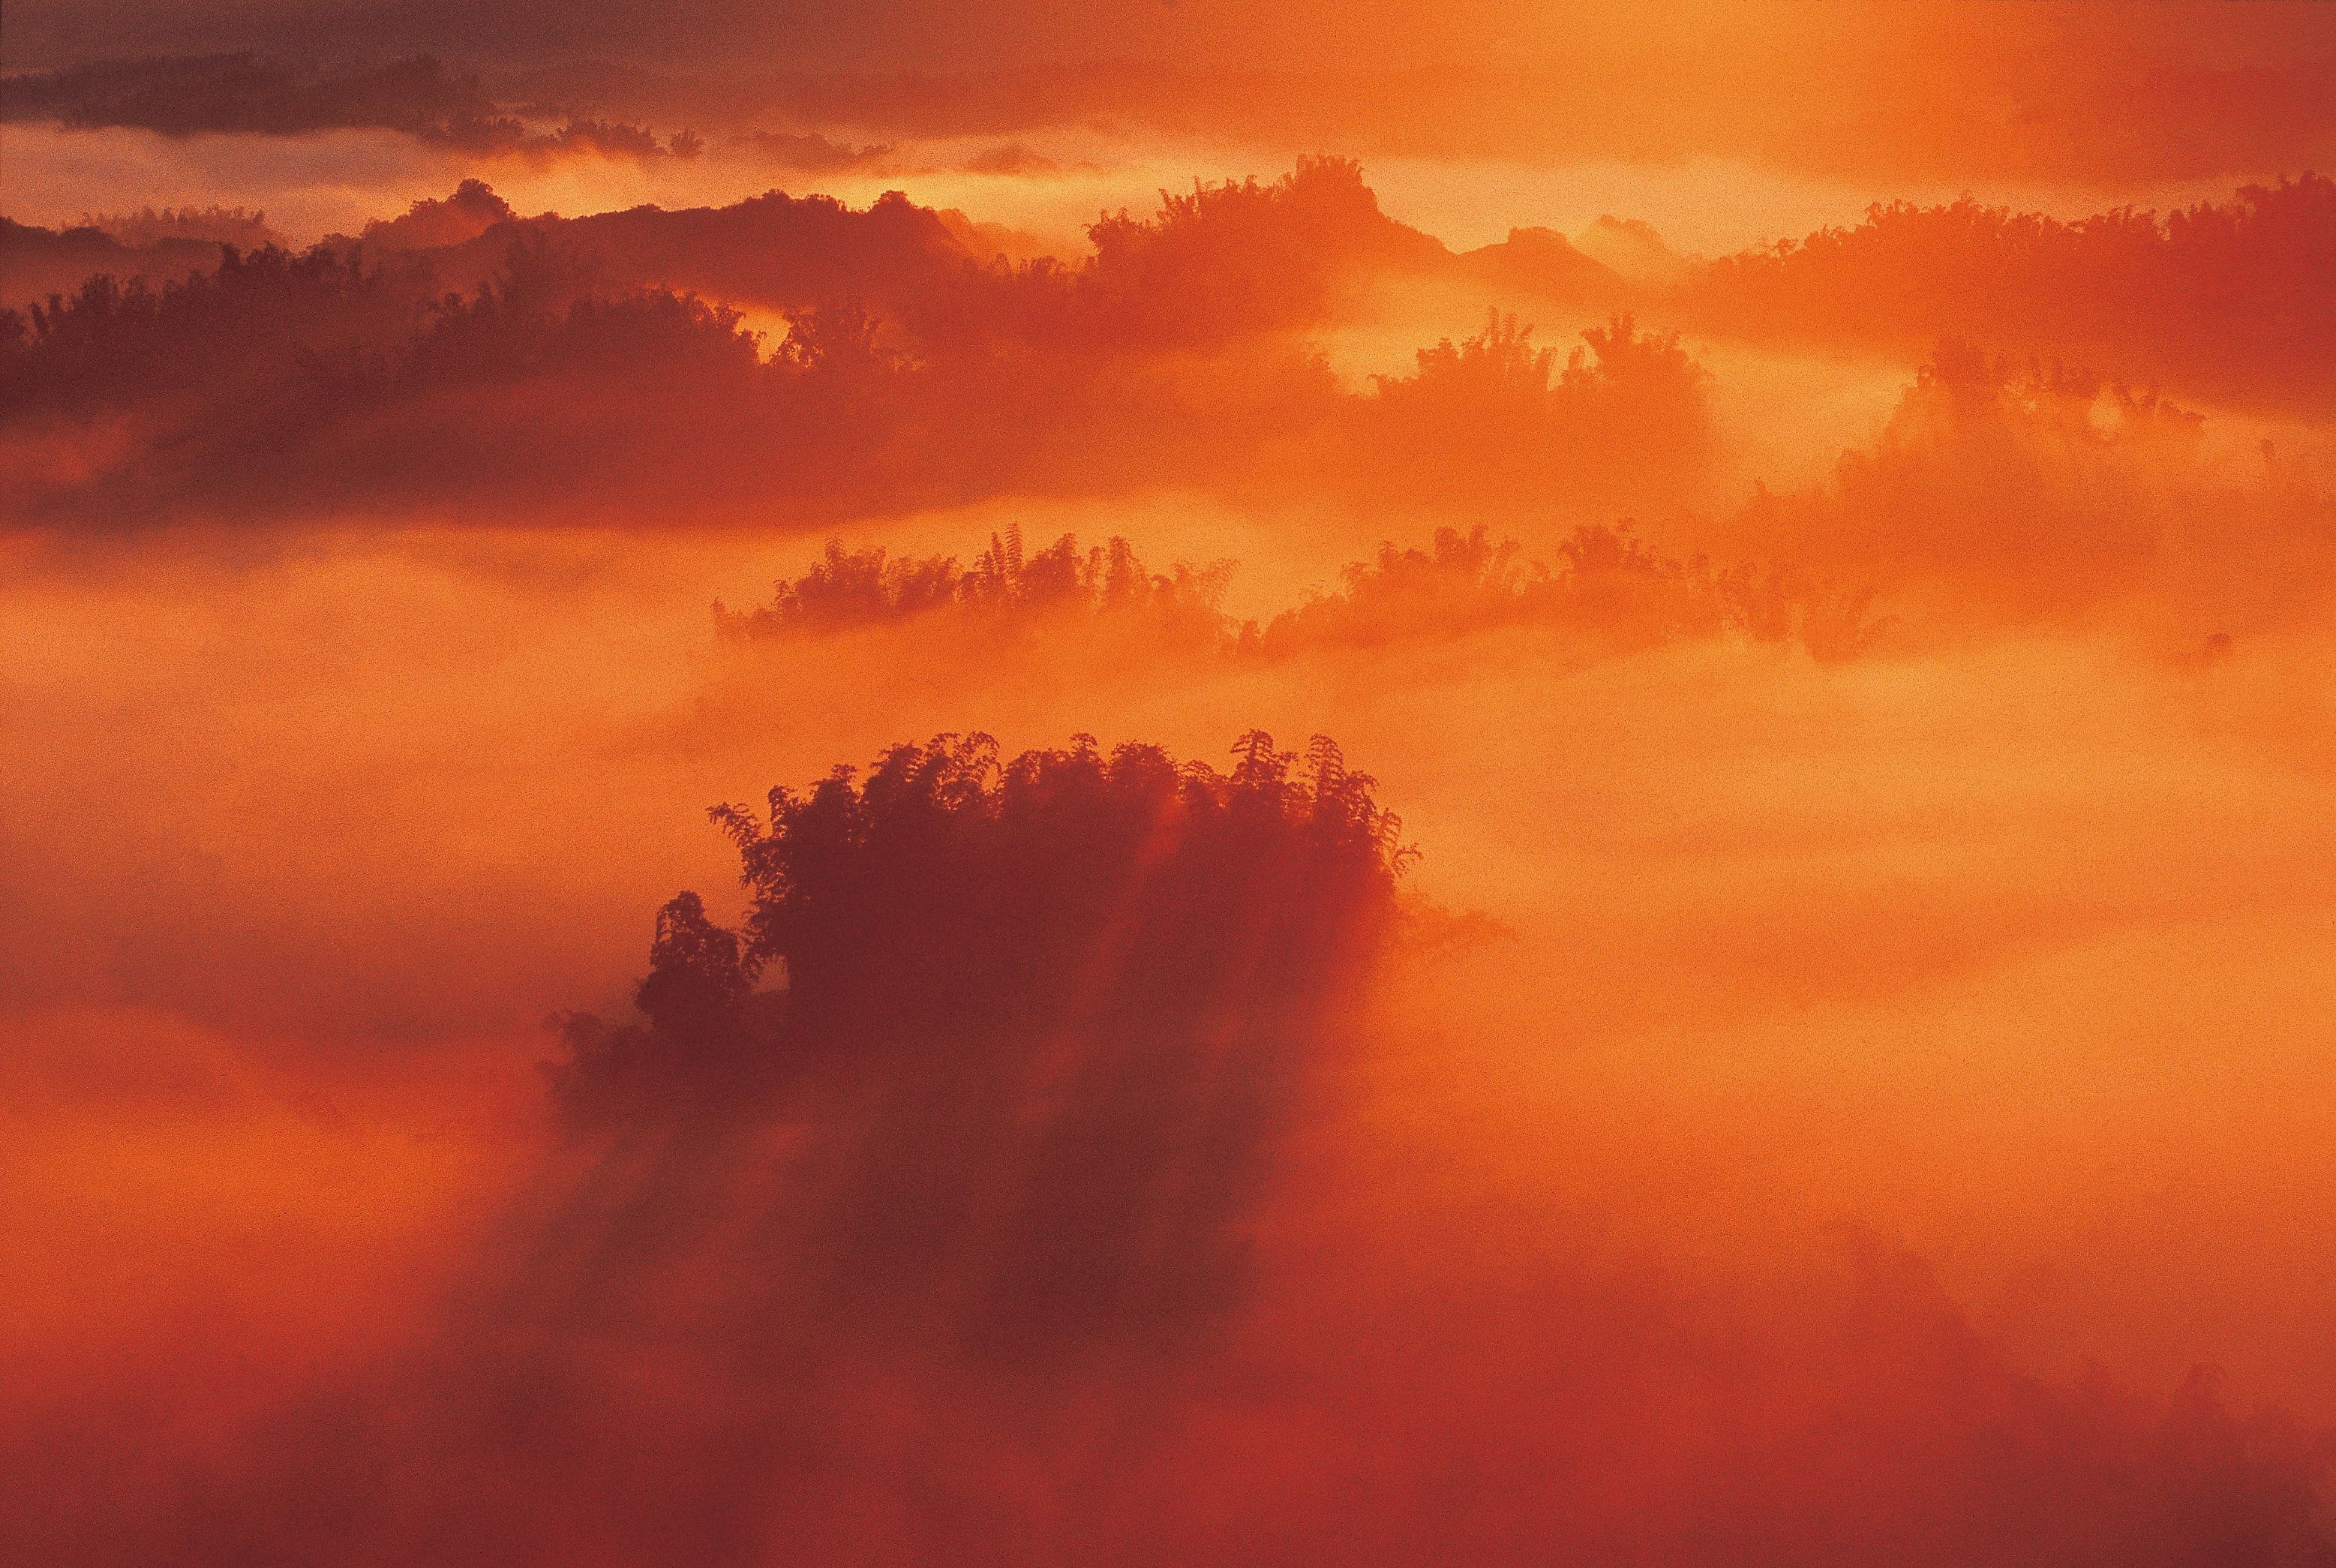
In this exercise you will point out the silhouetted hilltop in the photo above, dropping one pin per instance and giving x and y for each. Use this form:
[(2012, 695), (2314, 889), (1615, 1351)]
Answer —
[(1633, 250), (775, 250), (2229, 300), (457, 218), (808, 152), (1225, 260), (213, 224), (36, 262), (1251, 255), (909, 373), (1545, 262)]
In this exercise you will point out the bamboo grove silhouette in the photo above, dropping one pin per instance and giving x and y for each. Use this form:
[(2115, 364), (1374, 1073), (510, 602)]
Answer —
[(1035, 1026), (1608, 591), (1006, 587), (1057, 889)]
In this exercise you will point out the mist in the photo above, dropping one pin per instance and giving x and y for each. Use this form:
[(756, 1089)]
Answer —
[(830, 815)]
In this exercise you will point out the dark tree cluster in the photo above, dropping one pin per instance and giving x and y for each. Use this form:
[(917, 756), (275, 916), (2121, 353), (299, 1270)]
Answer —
[(37, 263), (1006, 584), (1608, 588), (950, 886), (1036, 1026), (264, 317), (1494, 417), (2229, 300), (280, 381), (1608, 585), (1264, 256)]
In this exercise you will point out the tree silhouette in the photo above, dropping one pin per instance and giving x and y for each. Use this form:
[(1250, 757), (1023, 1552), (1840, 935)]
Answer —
[(1041, 1026), (2226, 299), (1005, 587)]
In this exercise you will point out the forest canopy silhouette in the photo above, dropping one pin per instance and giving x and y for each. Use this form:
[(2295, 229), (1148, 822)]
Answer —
[(2227, 300), (280, 384), (912, 370)]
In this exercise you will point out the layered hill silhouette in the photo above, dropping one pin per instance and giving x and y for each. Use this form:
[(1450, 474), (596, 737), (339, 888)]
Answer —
[(2224, 302), (603, 362), (37, 262)]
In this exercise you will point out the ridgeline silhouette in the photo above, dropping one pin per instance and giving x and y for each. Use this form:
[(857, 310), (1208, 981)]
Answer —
[(580, 371), (2226, 300), (38, 263)]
